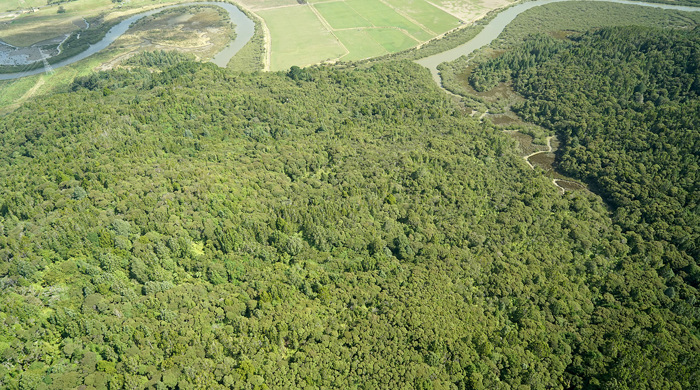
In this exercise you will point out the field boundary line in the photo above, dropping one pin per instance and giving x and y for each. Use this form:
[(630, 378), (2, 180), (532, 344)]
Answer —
[(410, 19), (353, 10), (330, 29), (280, 6), (369, 37), (445, 10), (383, 27), (362, 16), (405, 32)]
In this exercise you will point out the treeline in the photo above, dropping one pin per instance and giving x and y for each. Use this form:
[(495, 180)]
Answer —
[(198, 228), (156, 59)]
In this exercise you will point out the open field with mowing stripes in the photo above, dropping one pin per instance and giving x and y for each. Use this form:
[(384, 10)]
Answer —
[(360, 28), (299, 37)]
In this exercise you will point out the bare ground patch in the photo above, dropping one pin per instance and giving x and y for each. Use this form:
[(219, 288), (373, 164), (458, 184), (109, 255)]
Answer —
[(470, 10)]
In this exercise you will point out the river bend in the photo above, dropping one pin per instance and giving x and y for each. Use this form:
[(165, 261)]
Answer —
[(495, 27), (244, 28)]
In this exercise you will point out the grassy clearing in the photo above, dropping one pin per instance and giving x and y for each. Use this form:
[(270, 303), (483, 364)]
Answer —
[(14, 5), (339, 15), (429, 16), (381, 15), (32, 28), (46, 23), (309, 43), (360, 44)]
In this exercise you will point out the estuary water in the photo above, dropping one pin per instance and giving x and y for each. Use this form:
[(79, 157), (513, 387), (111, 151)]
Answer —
[(245, 28)]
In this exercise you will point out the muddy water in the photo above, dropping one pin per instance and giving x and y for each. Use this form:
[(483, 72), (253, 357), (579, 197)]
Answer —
[(546, 161), (502, 120), (245, 28), (569, 185), (543, 160)]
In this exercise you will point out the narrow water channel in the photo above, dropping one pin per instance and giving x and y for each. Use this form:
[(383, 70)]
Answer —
[(244, 28)]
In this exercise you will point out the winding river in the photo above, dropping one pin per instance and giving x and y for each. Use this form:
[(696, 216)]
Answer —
[(244, 31), (492, 30)]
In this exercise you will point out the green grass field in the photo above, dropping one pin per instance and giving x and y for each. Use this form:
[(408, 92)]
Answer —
[(360, 44), (426, 14), (381, 15), (340, 15), (299, 38), (392, 40), (299, 34), (257, 5), (30, 29), (349, 30), (14, 90), (14, 5)]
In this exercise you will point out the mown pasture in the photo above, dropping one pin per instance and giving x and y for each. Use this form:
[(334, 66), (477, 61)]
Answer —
[(360, 28), (427, 15), (360, 44), (256, 5), (341, 16), (381, 15), (299, 38), (16, 5), (392, 40)]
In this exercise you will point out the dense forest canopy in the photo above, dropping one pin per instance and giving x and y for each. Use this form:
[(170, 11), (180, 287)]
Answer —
[(333, 228), (625, 101)]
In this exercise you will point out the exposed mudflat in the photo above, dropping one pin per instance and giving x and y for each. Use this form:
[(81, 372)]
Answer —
[(11, 55)]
